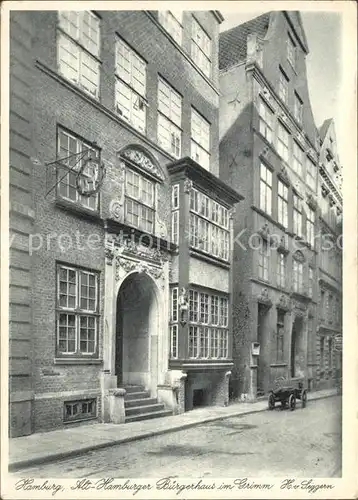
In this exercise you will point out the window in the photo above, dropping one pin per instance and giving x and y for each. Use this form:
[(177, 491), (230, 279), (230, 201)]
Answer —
[(297, 215), (169, 118), (208, 226), (174, 305), (282, 205), (175, 214), (310, 222), (283, 142), (265, 189), (283, 87), (264, 255), (266, 120), (310, 281), (322, 304), (79, 410), (310, 174), (281, 270), (77, 311), (130, 87), (174, 341), (171, 20), (291, 51), (297, 108), (69, 149), (200, 140), (280, 329), (321, 353), (297, 276), (208, 334), (297, 159), (200, 48), (330, 354), (78, 48), (139, 201)]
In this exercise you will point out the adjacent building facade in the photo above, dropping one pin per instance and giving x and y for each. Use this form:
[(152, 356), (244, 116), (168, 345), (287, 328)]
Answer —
[(269, 146), (329, 331), (130, 286)]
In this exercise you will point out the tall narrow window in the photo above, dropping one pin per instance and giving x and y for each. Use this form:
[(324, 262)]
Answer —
[(291, 51), (297, 215), (321, 354), (264, 255), (297, 159), (310, 223), (69, 150), (282, 204), (200, 48), (283, 142), (281, 270), (310, 174), (169, 118), (171, 20), (139, 201), (130, 87), (297, 108), (200, 140), (297, 276), (77, 316), (330, 354), (280, 329), (266, 120), (175, 214), (265, 189), (283, 87), (79, 31), (310, 281)]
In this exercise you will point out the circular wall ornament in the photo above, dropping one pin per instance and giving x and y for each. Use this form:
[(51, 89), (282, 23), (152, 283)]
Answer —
[(90, 177)]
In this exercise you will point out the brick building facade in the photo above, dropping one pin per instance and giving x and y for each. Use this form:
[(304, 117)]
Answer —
[(269, 149), (129, 287), (329, 331)]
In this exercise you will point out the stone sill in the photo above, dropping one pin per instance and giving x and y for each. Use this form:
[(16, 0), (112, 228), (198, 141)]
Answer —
[(77, 361)]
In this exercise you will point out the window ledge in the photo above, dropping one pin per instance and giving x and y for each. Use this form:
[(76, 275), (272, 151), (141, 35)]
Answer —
[(278, 365), (216, 261), (78, 361), (79, 420), (78, 209)]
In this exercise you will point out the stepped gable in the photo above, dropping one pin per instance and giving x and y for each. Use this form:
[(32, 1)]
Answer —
[(232, 43)]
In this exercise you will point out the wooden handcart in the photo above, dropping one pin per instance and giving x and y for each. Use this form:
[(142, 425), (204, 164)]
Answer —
[(286, 392)]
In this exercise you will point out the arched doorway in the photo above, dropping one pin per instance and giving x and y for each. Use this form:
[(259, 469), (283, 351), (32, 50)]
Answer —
[(136, 350)]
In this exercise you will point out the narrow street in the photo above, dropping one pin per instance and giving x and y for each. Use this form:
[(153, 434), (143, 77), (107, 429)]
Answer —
[(306, 443)]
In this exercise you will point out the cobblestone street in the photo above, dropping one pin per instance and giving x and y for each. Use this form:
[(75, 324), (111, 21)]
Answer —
[(306, 443)]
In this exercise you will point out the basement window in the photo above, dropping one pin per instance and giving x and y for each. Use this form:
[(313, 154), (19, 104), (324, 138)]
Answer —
[(80, 410)]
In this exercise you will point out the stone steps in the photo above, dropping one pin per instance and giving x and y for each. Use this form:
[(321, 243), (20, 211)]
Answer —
[(140, 406), (147, 416)]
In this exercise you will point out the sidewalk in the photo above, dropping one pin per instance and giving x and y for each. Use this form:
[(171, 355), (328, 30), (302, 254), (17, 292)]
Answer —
[(50, 446)]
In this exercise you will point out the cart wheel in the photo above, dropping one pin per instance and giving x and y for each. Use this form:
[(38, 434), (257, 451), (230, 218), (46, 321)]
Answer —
[(304, 398), (292, 402), (271, 401)]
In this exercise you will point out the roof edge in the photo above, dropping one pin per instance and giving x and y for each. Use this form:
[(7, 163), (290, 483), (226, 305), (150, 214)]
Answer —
[(218, 15)]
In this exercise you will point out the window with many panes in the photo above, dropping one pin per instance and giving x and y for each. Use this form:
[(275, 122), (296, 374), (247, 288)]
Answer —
[(200, 48), (171, 20), (264, 260), (79, 410), (283, 87), (291, 51), (175, 214), (297, 162), (282, 203), (77, 311), (283, 142), (297, 108), (174, 318), (310, 174), (130, 86), (72, 152), (297, 215), (265, 189), (200, 139), (297, 276), (78, 43), (208, 225), (266, 120), (208, 318), (139, 201), (280, 330), (281, 270), (169, 118), (310, 223)]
